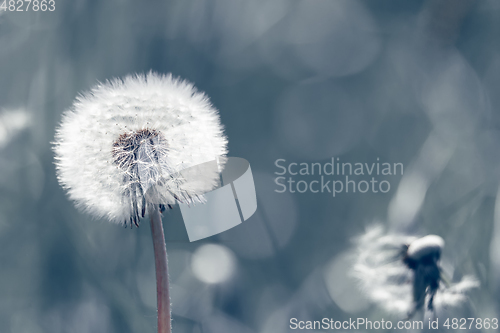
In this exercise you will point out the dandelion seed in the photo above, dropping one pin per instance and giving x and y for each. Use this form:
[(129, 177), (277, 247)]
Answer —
[(121, 148), (128, 139), (402, 274)]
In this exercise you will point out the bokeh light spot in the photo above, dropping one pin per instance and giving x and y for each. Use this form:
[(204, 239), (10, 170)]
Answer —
[(213, 263)]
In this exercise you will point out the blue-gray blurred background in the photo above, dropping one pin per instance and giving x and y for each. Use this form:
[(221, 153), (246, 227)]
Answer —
[(412, 82)]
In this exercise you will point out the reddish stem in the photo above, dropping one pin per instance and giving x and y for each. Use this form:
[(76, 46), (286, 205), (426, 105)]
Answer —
[(162, 287)]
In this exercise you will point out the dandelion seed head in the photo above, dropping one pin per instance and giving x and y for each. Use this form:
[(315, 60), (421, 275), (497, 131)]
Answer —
[(398, 272), (456, 294), (381, 275), (123, 144)]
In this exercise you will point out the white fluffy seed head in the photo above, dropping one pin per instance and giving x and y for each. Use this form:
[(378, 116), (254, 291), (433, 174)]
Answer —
[(122, 145), (380, 272), (387, 281)]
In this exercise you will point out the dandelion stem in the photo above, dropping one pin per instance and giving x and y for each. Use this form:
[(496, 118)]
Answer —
[(162, 285)]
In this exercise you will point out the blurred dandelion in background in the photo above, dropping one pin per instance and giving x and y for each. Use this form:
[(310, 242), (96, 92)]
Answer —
[(401, 273)]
